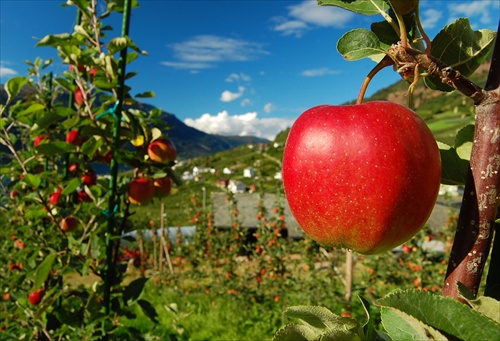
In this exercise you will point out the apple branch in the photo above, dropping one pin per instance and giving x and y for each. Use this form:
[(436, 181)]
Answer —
[(476, 221)]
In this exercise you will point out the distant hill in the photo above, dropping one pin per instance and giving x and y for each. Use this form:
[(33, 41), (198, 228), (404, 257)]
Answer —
[(190, 142)]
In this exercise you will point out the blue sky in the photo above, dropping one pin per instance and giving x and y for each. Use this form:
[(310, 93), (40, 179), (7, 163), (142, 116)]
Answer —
[(231, 67)]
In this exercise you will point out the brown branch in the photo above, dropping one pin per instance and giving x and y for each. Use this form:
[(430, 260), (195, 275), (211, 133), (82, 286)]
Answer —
[(480, 203)]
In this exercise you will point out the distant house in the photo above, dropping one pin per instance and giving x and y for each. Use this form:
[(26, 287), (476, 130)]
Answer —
[(249, 172), (222, 183), (227, 171), (235, 186), (187, 176)]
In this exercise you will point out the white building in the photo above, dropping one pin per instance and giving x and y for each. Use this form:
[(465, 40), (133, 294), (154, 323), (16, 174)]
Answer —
[(249, 172), (235, 186)]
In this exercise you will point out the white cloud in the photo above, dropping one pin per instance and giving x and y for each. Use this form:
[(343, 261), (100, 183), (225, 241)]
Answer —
[(308, 14), (269, 107), (246, 102), (430, 17), (471, 9), (238, 77), (7, 72), (248, 124), (292, 27), (204, 51), (228, 96), (319, 72)]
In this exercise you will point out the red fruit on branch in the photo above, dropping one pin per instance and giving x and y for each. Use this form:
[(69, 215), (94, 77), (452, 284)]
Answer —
[(38, 140), (35, 297), (79, 97), (69, 224), (89, 178), (55, 197), (162, 151), (73, 137), (163, 186), (364, 177), (141, 191)]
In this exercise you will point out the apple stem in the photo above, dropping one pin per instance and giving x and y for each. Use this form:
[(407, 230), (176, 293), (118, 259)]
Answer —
[(476, 222), (386, 61)]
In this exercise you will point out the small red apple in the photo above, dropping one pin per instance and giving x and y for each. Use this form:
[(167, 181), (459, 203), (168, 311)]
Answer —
[(163, 186), (68, 224), (83, 196), (162, 150), (73, 167), (79, 97), (14, 193), (38, 140), (141, 191), (19, 244), (89, 178), (73, 137), (35, 297), (363, 177), (55, 197)]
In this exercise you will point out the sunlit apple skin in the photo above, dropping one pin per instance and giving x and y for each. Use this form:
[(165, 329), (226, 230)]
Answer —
[(162, 151), (364, 177), (141, 191)]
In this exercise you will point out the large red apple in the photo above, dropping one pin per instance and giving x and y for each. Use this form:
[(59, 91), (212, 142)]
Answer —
[(364, 177), (162, 150), (141, 191)]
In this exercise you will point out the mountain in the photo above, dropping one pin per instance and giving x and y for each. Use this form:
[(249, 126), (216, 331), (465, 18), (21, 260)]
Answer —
[(190, 142)]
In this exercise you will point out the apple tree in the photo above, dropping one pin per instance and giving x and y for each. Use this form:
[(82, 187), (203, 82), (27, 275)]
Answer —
[(63, 138), (361, 209)]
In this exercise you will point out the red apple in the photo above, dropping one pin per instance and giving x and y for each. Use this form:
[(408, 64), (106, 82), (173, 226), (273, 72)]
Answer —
[(14, 193), (364, 177), (79, 96), (89, 178), (55, 197), (162, 150), (68, 224), (163, 186), (141, 191), (38, 140), (73, 137), (35, 297)]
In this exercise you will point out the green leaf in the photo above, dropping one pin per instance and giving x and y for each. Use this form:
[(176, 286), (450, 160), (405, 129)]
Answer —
[(360, 43), (43, 270), (315, 316), (454, 168), (464, 141), (296, 332), (14, 85), (33, 108), (458, 46), (372, 7), (46, 120), (442, 313), (148, 310), (134, 290), (55, 40), (401, 326), (147, 94), (71, 186), (32, 180), (485, 305), (328, 324), (56, 147)]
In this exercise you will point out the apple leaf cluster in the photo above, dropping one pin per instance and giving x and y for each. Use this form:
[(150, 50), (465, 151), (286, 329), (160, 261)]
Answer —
[(405, 314)]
